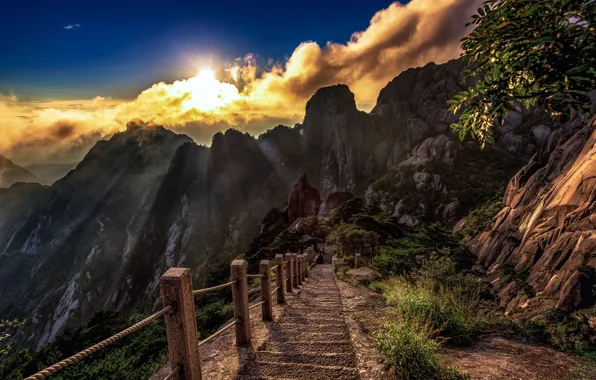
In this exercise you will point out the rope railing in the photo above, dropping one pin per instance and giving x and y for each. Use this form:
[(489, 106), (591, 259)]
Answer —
[(256, 304), (206, 290), (91, 350), (174, 372), (180, 315), (217, 333)]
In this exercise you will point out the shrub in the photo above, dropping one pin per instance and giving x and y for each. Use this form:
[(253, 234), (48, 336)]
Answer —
[(562, 330), (403, 256), (482, 218), (451, 312), (410, 350)]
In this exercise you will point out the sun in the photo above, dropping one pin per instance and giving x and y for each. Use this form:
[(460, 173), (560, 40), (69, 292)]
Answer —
[(204, 92)]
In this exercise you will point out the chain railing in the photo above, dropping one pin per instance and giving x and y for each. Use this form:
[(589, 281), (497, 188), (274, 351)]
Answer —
[(177, 297)]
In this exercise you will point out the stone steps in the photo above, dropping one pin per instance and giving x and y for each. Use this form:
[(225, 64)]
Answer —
[(302, 328), (311, 340), (338, 347), (310, 335), (299, 371), (321, 359)]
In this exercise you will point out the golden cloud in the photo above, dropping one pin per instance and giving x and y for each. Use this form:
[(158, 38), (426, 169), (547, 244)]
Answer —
[(248, 98)]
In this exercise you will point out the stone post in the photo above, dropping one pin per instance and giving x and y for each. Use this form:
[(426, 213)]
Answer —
[(181, 324), (290, 273), (267, 307), (357, 261), (296, 270), (240, 299), (279, 278), (302, 267)]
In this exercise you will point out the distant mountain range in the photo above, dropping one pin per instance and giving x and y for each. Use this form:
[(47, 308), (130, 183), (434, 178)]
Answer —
[(50, 173), (11, 173)]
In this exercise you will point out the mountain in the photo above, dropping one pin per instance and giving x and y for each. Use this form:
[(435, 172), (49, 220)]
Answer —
[(540, 250), (50, 173), (148, 199), (11, 173)]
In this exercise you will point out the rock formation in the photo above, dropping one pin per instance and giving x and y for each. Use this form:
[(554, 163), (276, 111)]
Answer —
[(304, 200), (333, 201), (540, 251)]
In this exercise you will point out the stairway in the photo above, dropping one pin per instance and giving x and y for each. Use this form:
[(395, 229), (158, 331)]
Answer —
[(311, 340)]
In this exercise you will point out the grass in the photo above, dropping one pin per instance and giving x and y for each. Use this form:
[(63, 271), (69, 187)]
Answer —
[(408, 347), (450, 312)]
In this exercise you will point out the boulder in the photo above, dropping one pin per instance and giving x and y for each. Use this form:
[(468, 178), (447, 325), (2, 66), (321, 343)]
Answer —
[(363, 276)]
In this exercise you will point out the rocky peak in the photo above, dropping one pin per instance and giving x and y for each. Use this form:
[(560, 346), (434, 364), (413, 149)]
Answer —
[(304, 200), (336, 141)]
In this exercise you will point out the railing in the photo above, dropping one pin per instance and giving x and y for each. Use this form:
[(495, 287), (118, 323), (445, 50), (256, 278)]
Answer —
[(177, 298)]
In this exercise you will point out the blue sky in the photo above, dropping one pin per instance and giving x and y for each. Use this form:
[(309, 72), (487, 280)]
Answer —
[(121, 48)]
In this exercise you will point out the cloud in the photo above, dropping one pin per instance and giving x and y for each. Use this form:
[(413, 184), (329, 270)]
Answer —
[(245, 96), (72, 26)]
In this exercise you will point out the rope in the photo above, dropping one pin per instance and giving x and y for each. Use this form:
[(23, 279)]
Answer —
[(174, 372), (256, 304), (83, 354), (275, 290), (254, 275), (201, 291), (217, 333)]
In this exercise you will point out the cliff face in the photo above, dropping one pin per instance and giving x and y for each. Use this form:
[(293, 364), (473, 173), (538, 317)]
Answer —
[(540, 251)]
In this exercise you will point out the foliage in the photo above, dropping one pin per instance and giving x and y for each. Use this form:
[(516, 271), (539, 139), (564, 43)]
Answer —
[(482, 218), (480, 176), (134, 357), (212, 316), (7, 328), (409, 349), (137, 356), (451, 312), (403, 256), (351, 239), (528, 52), (565, 331)]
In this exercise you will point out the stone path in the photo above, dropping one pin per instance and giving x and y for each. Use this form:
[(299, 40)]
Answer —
[(311, 340)]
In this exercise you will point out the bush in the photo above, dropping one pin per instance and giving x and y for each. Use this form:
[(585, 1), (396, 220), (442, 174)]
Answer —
[(403, 256), (482, 218), (562, 330), (451, 312), (410, 350)]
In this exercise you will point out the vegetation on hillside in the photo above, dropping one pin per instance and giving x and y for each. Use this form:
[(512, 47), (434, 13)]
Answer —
[(137, 356), (528, 52)]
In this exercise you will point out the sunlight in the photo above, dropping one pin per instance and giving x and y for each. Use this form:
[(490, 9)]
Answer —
[(205, 93)]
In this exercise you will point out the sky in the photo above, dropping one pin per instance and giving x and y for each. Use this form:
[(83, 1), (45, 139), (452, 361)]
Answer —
[(73, 72), (83, 49)]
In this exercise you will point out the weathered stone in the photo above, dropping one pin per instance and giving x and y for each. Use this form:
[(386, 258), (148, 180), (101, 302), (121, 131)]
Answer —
[(363, 275), (547, 228), (334, 201), (304, 201)]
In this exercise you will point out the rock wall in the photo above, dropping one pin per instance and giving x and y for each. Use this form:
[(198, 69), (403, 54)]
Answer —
[(540, 251)]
